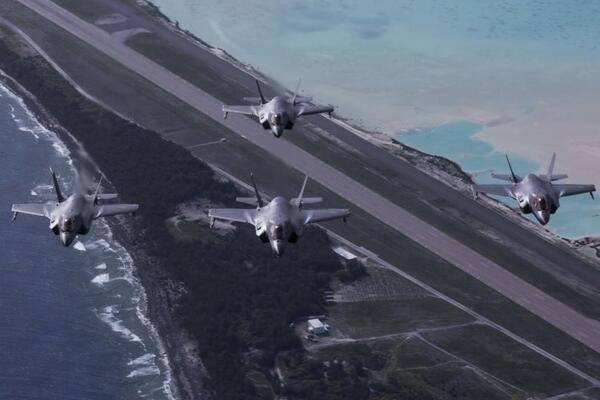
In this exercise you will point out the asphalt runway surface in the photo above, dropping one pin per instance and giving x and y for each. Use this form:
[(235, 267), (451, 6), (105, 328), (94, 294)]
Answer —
[(584, 329)]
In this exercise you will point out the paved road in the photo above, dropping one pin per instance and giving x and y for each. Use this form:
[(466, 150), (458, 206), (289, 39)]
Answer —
[(585, 330)]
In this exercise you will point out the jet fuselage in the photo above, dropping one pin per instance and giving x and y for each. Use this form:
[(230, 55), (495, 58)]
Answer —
[(72, 217), (279, 222), (277, 115), (536, 196)]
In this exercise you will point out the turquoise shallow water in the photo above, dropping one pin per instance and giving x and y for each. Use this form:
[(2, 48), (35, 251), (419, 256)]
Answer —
[(394, 65), (457, 141), (578, 215), (423, 57)]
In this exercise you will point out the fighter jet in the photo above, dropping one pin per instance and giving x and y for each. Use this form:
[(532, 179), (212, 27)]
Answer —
[(280, 112), (74, 215), (280, 221), (535, 193)]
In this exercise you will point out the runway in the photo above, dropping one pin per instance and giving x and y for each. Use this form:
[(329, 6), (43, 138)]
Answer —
[(551, 310)]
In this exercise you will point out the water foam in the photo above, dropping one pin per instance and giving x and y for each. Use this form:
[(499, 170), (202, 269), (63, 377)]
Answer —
[(127, 266), (101, 279), (145, 366), (108, 315), (32, 126), (79, 246)]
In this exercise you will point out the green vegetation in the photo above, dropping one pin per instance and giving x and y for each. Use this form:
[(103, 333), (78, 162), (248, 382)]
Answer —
[(385, 317), (83, 9), (185, 65), (353, 270), (239, 296), (512, 362), (412, 352), (593, 393), (404, 369)]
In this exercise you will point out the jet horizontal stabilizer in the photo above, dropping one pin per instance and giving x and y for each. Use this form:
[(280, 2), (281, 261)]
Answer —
[(506, 177), (303, 99), (554, 177), (306, 200)]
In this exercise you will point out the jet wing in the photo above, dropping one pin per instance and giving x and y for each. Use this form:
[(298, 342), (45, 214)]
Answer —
[(308, 110), (233, 214), (248, 110), (570, 190), (108, 210), (500, 190), (312, 216), (41, 210)]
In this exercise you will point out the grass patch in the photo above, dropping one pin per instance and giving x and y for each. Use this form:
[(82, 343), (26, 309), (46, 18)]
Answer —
[(412, 352), (378, 284), (83, 10), (188, 66), (508, 360), (374, 371), (386, 317)]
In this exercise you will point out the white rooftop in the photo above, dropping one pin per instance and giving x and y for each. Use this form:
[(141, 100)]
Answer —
[(342, 252), (315, 323)]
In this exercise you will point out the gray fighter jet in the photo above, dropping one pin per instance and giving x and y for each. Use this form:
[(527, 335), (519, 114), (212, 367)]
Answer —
[(280, 112), (74, 215), (535, 193), (280, 221)]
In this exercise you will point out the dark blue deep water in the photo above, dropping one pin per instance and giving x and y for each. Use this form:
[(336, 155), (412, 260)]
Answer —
[(71, 319)]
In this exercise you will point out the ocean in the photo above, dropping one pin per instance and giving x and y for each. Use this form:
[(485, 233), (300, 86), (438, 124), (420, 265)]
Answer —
[(523, 72), (72, 322)]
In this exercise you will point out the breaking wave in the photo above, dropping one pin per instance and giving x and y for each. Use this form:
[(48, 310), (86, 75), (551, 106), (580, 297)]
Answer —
[(113, 262)]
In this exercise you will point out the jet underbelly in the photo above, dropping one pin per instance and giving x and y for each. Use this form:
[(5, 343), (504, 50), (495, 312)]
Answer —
[(523, 204), (263, 118), (261, 231)]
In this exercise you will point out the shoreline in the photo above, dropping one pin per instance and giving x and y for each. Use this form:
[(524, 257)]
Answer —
[(76, 153), (165, 286), (441, 168)]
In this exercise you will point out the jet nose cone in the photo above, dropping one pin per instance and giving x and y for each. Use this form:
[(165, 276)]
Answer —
[(278, 247), (277, 131), (542, 217), (66, 240)]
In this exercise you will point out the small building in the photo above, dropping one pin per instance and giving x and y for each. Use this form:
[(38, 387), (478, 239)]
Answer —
[(316, 327), (342, 252)]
